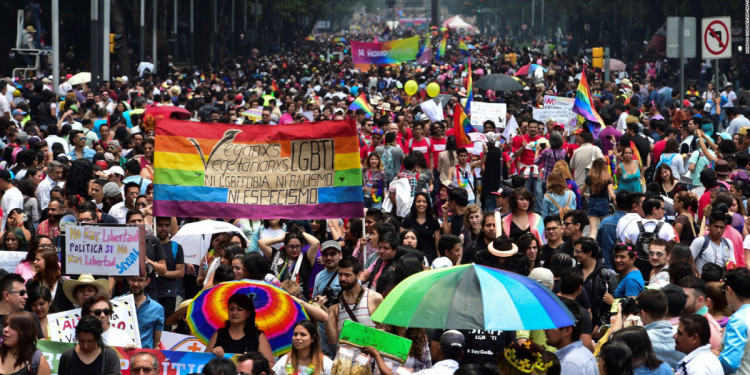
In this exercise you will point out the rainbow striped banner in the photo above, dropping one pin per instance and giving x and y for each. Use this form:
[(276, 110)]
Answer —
[(257, 171)]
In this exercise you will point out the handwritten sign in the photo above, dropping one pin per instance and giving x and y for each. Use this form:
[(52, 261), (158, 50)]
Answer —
[(9, 260), (558, 102), (395, 347), (561, 115), (104, 250), (481, 112), (432, 110), (258, 172), (62, 326)]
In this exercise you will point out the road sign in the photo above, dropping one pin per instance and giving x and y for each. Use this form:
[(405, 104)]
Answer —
[(689, 35), (586, 27), (717, 40)]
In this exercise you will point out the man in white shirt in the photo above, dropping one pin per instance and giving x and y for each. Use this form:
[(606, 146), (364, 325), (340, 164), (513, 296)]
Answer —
[(692, 339), (452, 344), (653, 210), (736, 121), (54, 173), (12, 197), (145, 65), (4, 102)]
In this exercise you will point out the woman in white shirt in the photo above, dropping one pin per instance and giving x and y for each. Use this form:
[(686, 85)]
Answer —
[(306, 356), (100, 307)]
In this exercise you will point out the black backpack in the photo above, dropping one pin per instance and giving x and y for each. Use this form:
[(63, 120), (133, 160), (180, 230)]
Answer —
[(644, 240)]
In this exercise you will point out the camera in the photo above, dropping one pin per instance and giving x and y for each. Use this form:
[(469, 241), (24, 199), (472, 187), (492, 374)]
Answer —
[(331, 297)]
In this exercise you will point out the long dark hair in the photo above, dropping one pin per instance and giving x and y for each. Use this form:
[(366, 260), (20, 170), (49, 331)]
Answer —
[(34, 247), (451, 146), (256, 266), (52, 272), (640, 345), (26, 326), (617, 358), (79, 175), (524, 244), (429, 214), (246, 303), (316, 352)]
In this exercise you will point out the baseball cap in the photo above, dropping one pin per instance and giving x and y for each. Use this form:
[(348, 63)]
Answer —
[(377, 131), (22, 137), (330, 244), (543, 276), (17, 112), (504, 192), (707, 107), (110, 189), (6, 175), (452, 343), (116, 170)]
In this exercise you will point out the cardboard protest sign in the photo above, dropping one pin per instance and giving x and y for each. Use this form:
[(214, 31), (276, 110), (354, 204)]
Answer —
[(558, 102), (257, 172), (104, 250), (392, 346), (62, 326), (481, 112), (432, 110)]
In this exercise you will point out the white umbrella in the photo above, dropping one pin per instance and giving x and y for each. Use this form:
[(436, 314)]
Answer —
[(195, 238), (80, 78)]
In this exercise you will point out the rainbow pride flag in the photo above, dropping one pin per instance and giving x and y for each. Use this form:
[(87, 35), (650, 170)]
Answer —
[(584, 104), (469, 90), (257, 171), (441, 47), (463, 48), (462, 127), (361, 103)]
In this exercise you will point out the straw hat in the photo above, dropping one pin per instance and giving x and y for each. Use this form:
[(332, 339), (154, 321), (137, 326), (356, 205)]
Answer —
[(102, 285), (174, 318)]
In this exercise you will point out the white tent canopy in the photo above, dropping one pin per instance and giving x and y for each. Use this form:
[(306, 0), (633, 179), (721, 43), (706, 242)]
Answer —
[(458, 24)]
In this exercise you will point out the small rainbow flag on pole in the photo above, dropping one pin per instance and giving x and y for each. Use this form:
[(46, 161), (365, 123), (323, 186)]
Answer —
[(584, 104), (469, 90), (463, 48), (274, 86), (257, 172), (361, 103), (462, 127), (441, 48)]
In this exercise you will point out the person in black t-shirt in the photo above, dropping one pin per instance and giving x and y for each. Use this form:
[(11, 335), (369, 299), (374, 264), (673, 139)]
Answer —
[(166, 282), (454, 211), (480, 347)]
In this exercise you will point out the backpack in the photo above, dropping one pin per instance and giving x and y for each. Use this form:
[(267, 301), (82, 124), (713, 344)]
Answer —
[(561, 210), (644, 240), (706, 241), (389, 169)]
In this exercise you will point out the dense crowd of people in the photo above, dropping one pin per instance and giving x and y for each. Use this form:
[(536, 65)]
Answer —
[(638, 224)]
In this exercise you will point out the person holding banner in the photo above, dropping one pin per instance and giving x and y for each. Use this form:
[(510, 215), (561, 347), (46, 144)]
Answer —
[(290, 263), (90, 355), (18, 352)]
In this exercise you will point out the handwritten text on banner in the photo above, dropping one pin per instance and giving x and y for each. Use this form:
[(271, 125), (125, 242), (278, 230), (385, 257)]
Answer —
[(104, 250)]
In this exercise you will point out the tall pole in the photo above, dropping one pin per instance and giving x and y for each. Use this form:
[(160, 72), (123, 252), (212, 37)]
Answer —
[(105, 40), (142, 39), (174, 32), (192, 34), (94, 34), (56, 44), (153, 41), (533, 6), (234, 37), (681, 42)]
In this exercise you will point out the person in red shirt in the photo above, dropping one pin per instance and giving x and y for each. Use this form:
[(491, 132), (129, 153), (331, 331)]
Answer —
[(669, 133), (377, 140), (523, 147), (438, 141), (421, 144)]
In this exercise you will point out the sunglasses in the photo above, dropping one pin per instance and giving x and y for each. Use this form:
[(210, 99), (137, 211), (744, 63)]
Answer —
[(19, 292), (98, 312)]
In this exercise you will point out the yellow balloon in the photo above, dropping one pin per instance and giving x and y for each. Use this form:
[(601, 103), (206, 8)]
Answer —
[(433, 89), (411, 87)]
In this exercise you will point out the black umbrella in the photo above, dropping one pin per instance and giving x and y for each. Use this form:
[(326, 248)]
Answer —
[(498, 82)]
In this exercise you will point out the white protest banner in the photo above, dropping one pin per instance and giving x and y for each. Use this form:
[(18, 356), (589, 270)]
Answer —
[(62, 326), (9, 260), (180, 343), (104, 250), (559, 102), (477, 137), (510, 130), (481, 112), (560, 115), (431, 109)]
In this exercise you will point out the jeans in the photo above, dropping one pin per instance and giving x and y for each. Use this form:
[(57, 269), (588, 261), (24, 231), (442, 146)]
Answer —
[(490, 204), (369, 203), (534, 184)]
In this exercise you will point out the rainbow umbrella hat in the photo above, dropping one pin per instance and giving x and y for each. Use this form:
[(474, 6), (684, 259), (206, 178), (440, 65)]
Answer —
[(276, 312), (472, 297)]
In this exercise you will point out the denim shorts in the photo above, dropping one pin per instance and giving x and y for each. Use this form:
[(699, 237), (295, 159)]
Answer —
[(598, 207)]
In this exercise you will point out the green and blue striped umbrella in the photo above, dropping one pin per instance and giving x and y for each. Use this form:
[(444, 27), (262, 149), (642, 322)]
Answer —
[(472, 297)]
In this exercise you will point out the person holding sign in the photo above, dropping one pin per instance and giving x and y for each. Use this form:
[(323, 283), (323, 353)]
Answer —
[(290, 263), (306, 356), (240, 334), (100, 307)]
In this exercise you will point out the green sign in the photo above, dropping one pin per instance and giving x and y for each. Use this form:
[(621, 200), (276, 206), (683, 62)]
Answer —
[(390, 345), (52, 350)]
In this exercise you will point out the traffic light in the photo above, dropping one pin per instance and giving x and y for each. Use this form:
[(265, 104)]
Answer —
[(598, 60), (114, 46)]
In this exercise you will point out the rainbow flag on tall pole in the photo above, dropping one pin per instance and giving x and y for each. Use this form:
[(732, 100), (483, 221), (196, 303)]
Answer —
[(469, 90), (361, 103), (463, 48), (584, 104)]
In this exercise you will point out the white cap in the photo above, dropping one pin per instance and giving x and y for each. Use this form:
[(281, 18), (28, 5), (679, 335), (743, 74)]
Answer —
[(116, 170)]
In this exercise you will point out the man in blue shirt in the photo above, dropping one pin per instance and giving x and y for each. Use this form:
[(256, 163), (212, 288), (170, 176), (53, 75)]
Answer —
[(574, 357), (150, 313), (735, 357), (330, 253), (606, 235), (78, 139), (631, 282)]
